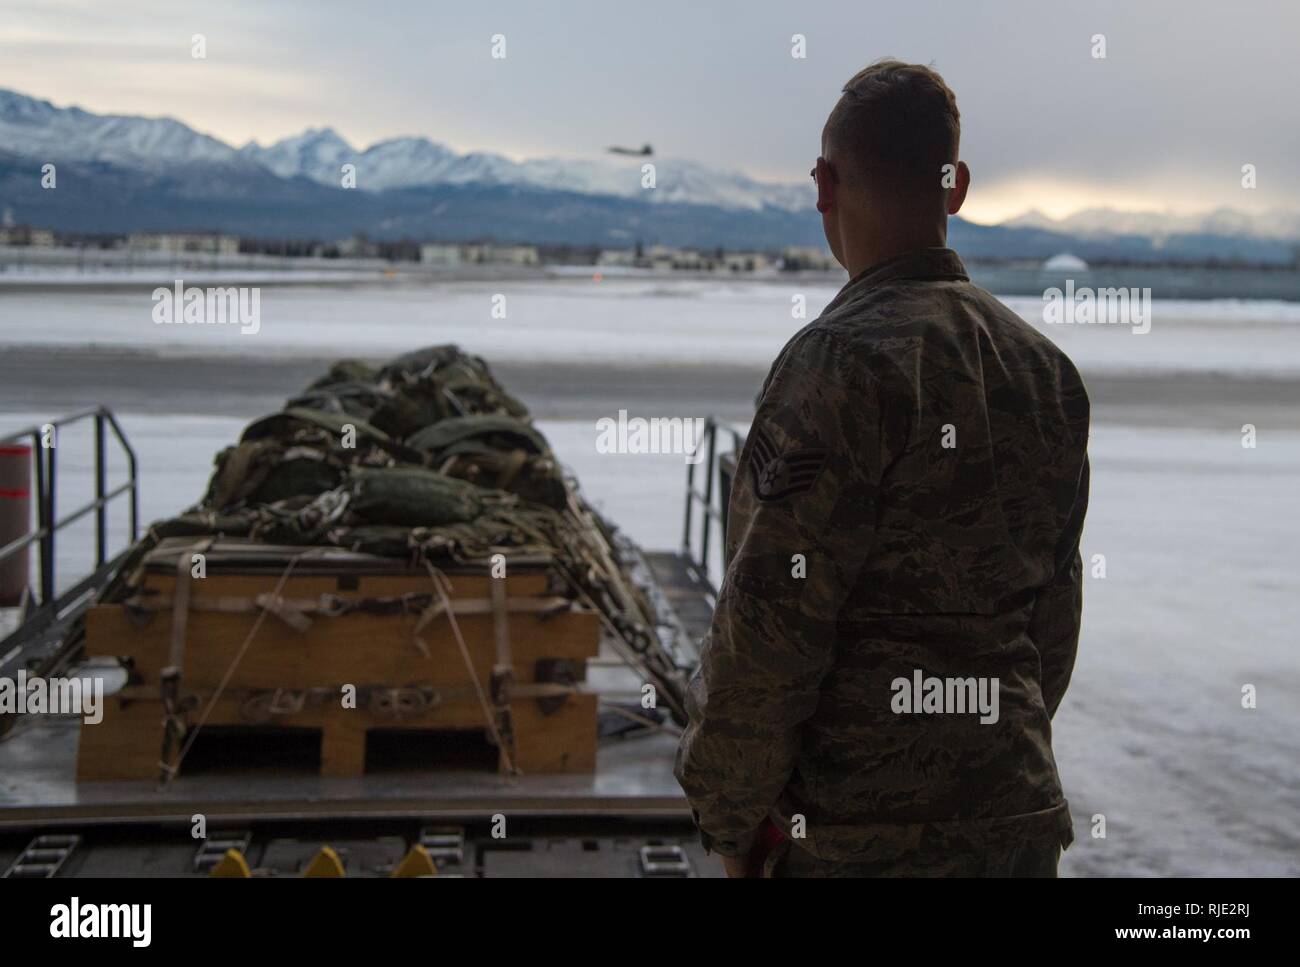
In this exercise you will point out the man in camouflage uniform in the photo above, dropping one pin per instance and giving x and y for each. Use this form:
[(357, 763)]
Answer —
[(907, 507)]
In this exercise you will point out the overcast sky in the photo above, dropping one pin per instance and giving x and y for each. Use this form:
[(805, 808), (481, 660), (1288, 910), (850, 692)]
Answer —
[(1188, 92)]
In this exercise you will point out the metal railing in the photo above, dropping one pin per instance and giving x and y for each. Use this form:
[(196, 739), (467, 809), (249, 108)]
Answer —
[(717, 484), (44, 439)]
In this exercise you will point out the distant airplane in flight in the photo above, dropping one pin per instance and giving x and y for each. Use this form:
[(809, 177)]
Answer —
[(644, 152)]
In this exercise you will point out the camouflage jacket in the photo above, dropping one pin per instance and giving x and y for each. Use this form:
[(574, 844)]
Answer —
[(907, 509)]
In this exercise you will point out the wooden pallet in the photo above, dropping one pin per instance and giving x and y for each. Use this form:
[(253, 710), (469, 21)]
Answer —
[(316, 654), (127, 743)]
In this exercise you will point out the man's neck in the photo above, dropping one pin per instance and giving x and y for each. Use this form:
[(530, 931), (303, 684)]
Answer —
[(868, 248)]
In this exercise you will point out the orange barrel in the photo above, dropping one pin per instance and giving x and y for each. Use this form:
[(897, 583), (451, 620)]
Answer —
[(15, 519)]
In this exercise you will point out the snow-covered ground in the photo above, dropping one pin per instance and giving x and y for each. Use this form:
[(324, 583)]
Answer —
[(628, 320), (1200, 598), (1201, 594)]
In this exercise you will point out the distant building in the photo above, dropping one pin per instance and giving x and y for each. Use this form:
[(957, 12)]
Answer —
[(500, 254), (357, 247), (689, 260), (745, 261), (180, 243), (26, 235), (665, 258), (659, 258), (804, 257), (436, 253), (617, 256)]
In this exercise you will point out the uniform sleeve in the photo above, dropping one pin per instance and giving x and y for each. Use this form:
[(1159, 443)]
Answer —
[(1054, 624), (800, 526)]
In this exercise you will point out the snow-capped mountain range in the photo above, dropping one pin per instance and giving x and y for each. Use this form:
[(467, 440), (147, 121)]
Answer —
[(120, 173), (35, 128), (320, 153), (1099, 223)]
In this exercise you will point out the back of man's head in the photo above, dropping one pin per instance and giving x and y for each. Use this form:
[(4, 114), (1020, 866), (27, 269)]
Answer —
[(892, 132)]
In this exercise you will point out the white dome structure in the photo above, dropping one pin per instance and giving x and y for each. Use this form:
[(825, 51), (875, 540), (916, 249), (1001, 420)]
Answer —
[(1065, 262)]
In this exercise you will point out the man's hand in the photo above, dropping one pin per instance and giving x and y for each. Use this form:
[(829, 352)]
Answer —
[(737, 867), (749, 866)]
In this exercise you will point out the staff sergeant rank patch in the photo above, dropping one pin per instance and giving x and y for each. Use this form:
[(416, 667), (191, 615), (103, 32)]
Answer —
[(781, 475)]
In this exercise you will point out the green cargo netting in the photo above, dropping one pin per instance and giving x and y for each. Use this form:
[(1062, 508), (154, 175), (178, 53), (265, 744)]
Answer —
[(365, 457), (432, 384), (424, 458)]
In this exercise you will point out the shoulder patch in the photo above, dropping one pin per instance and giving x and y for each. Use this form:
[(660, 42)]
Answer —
[(780, 475)]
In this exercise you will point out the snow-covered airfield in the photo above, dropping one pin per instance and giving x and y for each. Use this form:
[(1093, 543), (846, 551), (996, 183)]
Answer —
[(1200, 597)]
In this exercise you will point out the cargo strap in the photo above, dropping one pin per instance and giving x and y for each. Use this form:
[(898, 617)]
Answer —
[(503, 738), (623, 609), (653, 725), (259, 705), (503, 672), (284, 610), (295, 611), (169, 769), (181, 608), (170, 676)]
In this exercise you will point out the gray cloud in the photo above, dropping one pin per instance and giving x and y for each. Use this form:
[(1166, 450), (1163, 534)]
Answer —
[(1188, 93)]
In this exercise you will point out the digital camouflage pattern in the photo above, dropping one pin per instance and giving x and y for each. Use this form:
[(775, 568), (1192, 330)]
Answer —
[(910, 497), (959, 857)]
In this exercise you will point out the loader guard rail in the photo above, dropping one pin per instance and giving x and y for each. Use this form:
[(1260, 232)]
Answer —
[(719, 472), (43, 610)]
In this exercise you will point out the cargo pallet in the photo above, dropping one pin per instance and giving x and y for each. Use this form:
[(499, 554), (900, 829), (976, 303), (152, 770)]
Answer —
[(624, 817), (347, 646)]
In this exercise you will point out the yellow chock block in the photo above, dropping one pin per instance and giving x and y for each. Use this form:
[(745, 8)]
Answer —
[(232, 864), (417, 862), (325, 863)]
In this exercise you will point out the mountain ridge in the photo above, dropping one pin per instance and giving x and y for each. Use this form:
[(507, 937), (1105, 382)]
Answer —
[(37, 128), (179, 179)]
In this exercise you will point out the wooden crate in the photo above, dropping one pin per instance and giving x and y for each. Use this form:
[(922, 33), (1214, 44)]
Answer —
[(360, 649)]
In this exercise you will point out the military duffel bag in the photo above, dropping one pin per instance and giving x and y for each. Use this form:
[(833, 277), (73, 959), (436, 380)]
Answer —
[(353, 399), (410, 497), (475, 434), (346, 371), (266, 471)]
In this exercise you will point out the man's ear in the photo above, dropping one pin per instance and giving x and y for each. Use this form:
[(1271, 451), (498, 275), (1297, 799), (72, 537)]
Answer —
[(825, 186), (957, 196)]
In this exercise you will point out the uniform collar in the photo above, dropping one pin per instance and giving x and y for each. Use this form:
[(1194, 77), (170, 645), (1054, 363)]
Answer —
[(921, 263)]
